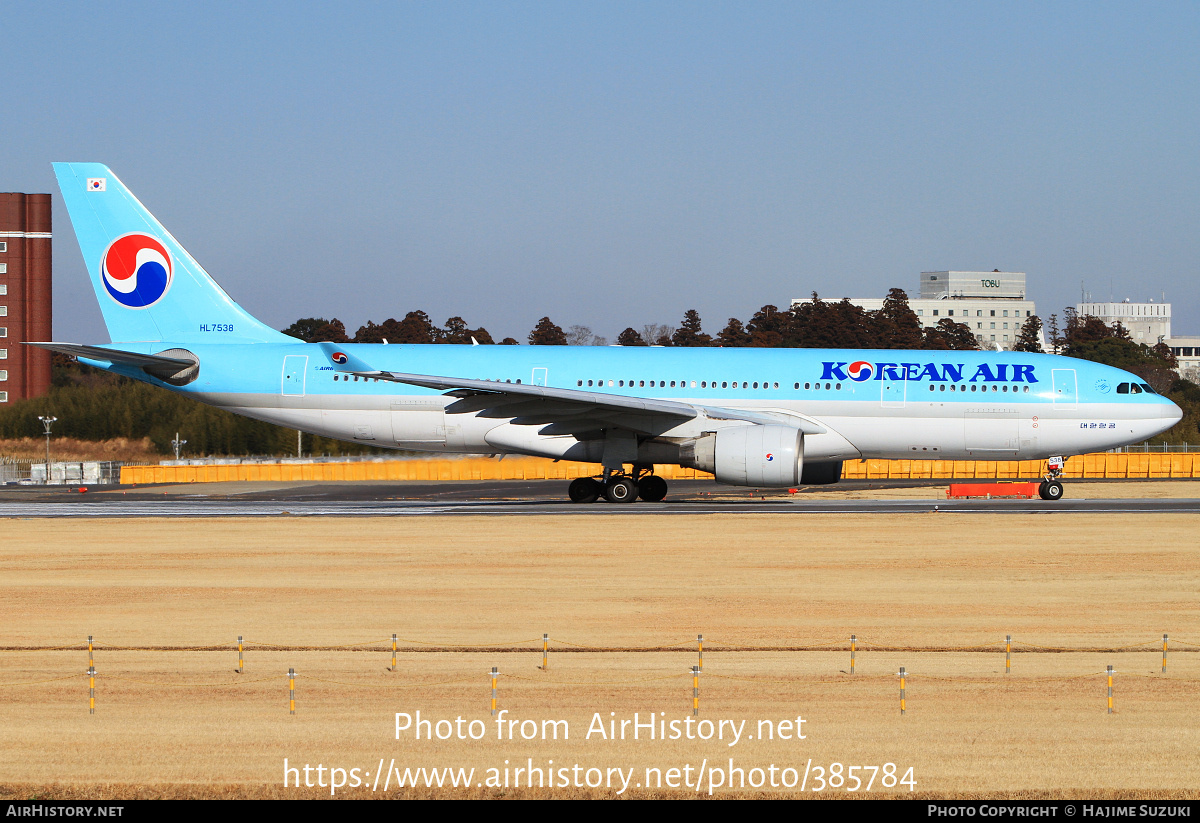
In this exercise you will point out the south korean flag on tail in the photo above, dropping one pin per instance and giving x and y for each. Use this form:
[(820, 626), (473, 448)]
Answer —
[(97, 183)]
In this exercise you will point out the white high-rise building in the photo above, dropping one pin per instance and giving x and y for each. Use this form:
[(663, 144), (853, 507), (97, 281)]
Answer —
[(1148, 323), (1187, 355)]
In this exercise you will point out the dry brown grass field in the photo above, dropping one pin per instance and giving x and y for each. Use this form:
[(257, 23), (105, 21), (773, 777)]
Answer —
[(71, 449), (622, 599)]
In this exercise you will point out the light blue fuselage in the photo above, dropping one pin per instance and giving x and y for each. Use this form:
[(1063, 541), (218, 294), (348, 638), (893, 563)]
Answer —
[(918, 404)]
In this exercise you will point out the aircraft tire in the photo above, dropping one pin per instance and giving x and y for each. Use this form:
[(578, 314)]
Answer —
[(652, 488), (1051, 490), (621, 490), (584, 490)]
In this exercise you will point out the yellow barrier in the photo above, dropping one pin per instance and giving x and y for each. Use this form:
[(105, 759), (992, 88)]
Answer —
[(534, 468)]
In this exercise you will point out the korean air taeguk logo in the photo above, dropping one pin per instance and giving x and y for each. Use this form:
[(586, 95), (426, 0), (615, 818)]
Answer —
[(860, 370), (136, 270)]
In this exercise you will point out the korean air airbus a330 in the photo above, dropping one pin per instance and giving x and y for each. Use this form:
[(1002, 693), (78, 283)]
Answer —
[(752, 417)]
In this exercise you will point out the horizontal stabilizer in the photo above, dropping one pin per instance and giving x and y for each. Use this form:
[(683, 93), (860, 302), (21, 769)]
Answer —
[(127, 358)]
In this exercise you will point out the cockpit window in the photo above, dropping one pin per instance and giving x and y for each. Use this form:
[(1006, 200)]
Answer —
[(1123, 388), (1146, 388)]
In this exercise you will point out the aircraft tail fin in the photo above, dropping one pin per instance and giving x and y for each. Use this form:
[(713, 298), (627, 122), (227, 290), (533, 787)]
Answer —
[(148, 286)]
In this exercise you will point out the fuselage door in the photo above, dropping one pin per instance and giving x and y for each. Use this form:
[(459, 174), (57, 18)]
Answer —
[(292, 383), (1065, 392), (540, 376)]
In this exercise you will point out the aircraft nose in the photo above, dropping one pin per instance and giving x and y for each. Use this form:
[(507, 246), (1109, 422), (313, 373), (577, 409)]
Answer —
[(1170, 412)]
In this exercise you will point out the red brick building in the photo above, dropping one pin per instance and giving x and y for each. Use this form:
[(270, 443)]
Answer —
[(25, 295)]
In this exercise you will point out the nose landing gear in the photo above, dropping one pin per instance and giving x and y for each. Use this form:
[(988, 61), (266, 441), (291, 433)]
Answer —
[(1051, 487)]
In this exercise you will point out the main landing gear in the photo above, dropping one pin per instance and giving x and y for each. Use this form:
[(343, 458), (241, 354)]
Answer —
[(1051, 487), (619, 487)]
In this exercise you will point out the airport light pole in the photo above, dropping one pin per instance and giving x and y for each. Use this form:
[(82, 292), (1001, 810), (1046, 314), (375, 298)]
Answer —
[(177, 444), (47, 422)]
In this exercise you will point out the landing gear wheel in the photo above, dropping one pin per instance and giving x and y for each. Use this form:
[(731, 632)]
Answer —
[(621, 490), (652, 488), (1051, 490), (584, 490)]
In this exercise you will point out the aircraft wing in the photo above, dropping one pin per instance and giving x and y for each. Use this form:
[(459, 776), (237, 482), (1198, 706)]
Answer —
[(565, 411)]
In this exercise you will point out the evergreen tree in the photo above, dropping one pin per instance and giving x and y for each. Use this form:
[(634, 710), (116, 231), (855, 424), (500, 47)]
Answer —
[(483, 337), (1056, 338), (1070, 325), (1030, 336), (369, 333), (416, 327), (547, 334), (949, 335), (734, 334), (305, 328), (689, 333), (1088, 329), (840, 325), (854, 327), (455, 332), (331, 332), (766, 327), (629, 337), (897, 325)]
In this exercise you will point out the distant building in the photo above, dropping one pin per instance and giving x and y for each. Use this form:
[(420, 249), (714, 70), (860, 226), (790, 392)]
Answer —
[(1187, 354), (1148, 323), (992, 304), (25, 296)]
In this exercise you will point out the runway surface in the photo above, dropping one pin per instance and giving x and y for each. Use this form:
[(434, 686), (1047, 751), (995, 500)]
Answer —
[(516, 498)]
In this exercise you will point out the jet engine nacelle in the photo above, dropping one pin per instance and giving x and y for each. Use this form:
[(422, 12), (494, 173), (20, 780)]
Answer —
[(749, 455)]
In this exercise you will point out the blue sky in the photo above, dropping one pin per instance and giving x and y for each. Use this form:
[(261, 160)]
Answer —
[(614, 164)]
